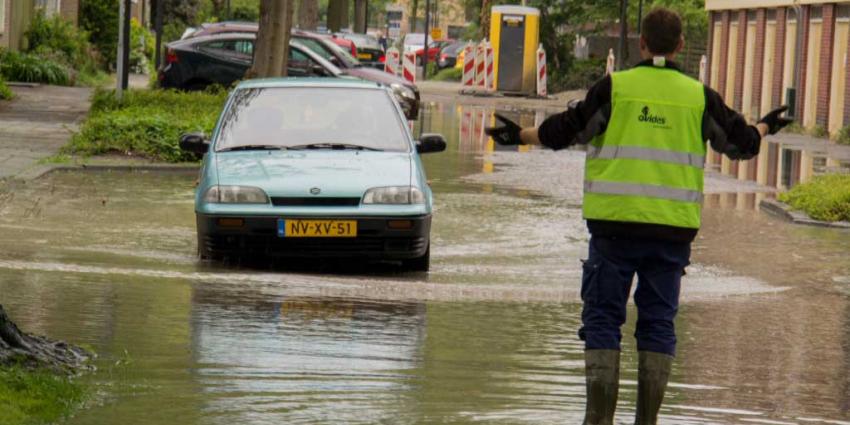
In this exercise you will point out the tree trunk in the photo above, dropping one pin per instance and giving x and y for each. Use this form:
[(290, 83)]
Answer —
[(308, 14), (485, 18), (414, 9), (262, 48), (17, 347)]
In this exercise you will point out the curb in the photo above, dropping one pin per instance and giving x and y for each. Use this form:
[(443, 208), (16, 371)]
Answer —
[(44, 170), (784, 210)]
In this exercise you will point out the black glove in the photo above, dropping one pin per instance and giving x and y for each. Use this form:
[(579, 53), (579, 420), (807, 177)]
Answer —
[(773, 120), (506, 134)]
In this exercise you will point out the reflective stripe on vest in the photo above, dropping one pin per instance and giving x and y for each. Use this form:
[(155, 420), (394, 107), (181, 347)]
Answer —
[(647, 167)]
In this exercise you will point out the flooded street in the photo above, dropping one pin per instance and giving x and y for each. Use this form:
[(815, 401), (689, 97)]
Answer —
[(107, 260)]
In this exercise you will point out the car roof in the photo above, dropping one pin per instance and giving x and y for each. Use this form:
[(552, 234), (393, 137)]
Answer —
[(314, 82)]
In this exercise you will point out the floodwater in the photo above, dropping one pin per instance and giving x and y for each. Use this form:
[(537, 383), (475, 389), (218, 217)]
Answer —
[(489, 336)]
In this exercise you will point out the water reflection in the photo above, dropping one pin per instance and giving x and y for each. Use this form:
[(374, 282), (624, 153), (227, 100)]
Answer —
[(488, 337), (785, 161)]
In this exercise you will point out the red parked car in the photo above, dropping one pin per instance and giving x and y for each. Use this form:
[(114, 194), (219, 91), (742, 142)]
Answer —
[(434, 49), (348, 45)]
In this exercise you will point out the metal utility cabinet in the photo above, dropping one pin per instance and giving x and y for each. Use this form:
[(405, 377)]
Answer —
[(514, 35)]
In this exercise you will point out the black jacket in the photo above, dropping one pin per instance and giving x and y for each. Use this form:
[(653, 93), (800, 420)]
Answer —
[(726, 130)]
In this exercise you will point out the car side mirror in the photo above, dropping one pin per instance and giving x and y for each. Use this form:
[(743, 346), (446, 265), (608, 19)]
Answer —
[(431, 142), (194, 143)]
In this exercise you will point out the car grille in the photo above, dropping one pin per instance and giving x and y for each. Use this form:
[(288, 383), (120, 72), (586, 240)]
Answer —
[(307, 247), (315, 202)]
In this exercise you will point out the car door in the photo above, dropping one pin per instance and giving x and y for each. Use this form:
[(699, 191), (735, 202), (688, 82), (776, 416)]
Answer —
[(226, 61)]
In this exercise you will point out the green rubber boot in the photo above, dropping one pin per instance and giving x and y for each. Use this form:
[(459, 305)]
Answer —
[(602, 368), (653, 372)]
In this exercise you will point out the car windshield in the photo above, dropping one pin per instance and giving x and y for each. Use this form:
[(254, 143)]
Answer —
[(310, 117), (328, 50), (453, 48), (414, 39), (362, 41)]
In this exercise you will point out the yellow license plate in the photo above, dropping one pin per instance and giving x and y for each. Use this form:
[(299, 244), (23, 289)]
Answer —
[(316, 228), (366, 56)]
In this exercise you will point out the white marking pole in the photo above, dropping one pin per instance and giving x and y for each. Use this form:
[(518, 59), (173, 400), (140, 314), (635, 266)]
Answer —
[(479, 66), (468, 65), (489, 81), (609, 66), (391, 61), (541, 72), (409, 67), (703, 67)]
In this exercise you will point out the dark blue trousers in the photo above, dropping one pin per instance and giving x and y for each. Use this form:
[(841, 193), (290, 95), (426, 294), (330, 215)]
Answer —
[(606, 284)]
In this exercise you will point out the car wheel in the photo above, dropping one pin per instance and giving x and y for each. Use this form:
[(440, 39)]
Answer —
[(419, 264)]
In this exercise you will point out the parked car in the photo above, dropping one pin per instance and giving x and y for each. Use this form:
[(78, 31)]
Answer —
[(196, 62), (434, 49), (346, 44), (369, 51), (323, 167), (413, 41), (449, 54), (212, 28)]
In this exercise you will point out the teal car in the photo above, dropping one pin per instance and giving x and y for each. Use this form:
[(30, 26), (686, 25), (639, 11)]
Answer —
[(323, 167)]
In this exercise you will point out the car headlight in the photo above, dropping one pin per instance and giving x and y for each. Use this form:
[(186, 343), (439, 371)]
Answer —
[(236, 195), (394, 195), (403, 92)]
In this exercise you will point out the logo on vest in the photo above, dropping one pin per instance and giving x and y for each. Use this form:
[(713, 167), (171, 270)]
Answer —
[(652, 119)]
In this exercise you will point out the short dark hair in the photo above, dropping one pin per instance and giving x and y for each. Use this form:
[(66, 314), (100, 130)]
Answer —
[(661, 29)]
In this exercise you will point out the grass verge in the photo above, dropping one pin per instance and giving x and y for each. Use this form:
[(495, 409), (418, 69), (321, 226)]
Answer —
[(5, 92), (448, 74), (147, 123), (825, 198), (37, 396)]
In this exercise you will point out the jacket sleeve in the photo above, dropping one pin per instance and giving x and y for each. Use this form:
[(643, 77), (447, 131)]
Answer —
[(727, 130), (579, 123)]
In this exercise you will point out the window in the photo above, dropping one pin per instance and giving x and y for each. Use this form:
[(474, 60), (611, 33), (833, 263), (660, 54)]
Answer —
[(230, 47), (50, 7), (771, 15), (2, 16)]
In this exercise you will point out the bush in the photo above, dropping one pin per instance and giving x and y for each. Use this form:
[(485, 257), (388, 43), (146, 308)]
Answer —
[(581, 75), (824, 198), (147, 123), (5, 93), (31, 68), (60, 41), (449, 74), (844, 136), (99, 18)]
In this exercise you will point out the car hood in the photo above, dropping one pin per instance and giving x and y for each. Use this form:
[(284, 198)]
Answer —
[(376, 75), (295, 173)]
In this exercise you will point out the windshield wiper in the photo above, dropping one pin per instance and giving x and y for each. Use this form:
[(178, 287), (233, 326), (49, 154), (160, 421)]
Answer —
[(334, 146), (253, 148)]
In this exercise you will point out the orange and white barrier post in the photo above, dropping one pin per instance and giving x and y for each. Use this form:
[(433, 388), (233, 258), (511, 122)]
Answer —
[(703, 67), (468, 65), (408, 70), (541, 72), (479, 65), (489, 81), (391, 61)]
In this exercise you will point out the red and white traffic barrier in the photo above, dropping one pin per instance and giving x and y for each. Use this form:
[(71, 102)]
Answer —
[(408, 71), (703, 68), (479, 65), (489, 81), (541, 72), (468, 77), (391, 61), (609, 66)]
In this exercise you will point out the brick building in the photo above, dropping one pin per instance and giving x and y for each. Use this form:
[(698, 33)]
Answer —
[(15, 17), (759, 49), (766, 53)]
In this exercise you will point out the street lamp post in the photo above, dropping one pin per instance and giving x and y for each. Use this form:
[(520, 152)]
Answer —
[(427, 33)]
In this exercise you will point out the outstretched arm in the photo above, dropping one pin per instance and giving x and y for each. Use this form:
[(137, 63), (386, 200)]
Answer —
[(728, 131)]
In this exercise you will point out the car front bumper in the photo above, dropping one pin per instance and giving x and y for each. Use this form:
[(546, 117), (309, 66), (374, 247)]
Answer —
[(257, 236)]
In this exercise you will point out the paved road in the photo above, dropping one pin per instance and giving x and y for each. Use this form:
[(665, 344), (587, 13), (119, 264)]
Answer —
[(38, 122)]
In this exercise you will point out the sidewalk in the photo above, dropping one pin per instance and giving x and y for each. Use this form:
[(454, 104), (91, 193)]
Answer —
[(449, 92), (36, 123)]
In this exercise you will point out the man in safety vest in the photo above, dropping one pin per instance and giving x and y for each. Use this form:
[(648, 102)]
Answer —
[(646, 129)]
